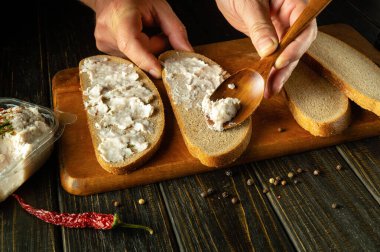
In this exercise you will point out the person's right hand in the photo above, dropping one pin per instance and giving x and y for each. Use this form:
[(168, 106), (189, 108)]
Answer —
[(119, 30)]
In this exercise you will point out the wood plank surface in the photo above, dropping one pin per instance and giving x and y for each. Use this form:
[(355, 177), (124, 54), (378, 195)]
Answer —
[(214, 223), (73, 42), (82, 175), (305, 209), (23, 76), (153, 214), (363, 158), (66, 29)]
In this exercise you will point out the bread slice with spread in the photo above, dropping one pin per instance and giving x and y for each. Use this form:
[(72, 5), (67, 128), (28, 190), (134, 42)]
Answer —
[(124, 111), (317, 105), (352, 72), (188, 78)]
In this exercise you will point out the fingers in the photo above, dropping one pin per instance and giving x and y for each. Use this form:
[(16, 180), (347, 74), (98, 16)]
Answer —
[(290, 11), (172, 27), (298, 47), (278, 78), (256, 16), (135, 44)]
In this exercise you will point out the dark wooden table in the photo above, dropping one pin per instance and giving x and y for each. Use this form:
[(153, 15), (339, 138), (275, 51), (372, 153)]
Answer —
[(40, 38)]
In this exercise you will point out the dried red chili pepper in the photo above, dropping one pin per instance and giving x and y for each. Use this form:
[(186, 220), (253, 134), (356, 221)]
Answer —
[(81, 220)]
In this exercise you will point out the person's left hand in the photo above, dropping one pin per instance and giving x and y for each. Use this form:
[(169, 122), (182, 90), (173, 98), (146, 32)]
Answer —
[(265, 22)]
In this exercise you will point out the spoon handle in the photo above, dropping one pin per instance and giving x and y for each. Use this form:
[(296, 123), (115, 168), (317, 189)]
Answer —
[(313, 8)]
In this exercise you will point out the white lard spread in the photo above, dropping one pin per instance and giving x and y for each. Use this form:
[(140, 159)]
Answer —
[(24, 146), (26, 127), (192, 81), (119, 103), (220, 111)]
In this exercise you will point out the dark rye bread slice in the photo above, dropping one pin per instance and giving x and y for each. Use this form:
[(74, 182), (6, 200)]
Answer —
[(158, 119), (352, 72), (212, 148), (317, 105)]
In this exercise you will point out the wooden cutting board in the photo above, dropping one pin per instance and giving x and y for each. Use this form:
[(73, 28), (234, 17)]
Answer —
[(82, 175)]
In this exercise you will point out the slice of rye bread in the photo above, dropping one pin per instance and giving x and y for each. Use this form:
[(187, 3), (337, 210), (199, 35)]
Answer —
[(352, 72), (158, 119), (212, 148), (317, 105)]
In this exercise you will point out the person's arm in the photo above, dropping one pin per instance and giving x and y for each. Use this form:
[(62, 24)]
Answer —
[(265, 22), (119, 30)]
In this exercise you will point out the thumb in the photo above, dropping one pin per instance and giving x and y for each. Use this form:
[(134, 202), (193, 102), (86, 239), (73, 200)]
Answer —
[(256, 16)]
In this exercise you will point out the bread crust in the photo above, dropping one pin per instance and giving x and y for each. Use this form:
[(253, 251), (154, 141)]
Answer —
[(221, 159), (309, 95), (158, 117), (321, 129), (355, 95)]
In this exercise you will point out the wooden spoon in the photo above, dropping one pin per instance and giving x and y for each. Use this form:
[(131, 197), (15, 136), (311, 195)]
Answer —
[(250, 82)]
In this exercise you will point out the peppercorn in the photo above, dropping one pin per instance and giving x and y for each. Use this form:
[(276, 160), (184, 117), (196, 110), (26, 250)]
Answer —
[(250, 182), (141, 201), (115, 203), (203, 194), (299, 170), (316, 172), (228, 173), (290, 175), (225, 195), (210, 191), (280, 129), (338, 167), (283, 183), (271, 180), (234, 200)]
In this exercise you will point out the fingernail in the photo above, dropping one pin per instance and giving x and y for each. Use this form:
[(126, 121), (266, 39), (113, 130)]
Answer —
[(281, 63), (266, 46), (155, 73)]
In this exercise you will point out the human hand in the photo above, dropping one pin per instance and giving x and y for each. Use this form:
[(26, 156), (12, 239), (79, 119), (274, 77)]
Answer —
[(265, 22), (119, 30)]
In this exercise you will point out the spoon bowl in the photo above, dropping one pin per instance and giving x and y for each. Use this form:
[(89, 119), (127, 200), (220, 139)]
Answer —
[(250, 96), (250, 82)]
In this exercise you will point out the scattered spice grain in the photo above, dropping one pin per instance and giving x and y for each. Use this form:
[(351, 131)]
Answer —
[(115, 203), (228, 173), (271, 180), (210, 191), (295, 181), (334, 205), (299, 170), (250, 182), (290, 175), (283, 183), (278, 196), (276, 182), (279, 129), (203, 194), (278, 178), (316, 172), (338, 167), (225, 195), (234, 200), (141, 201)]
